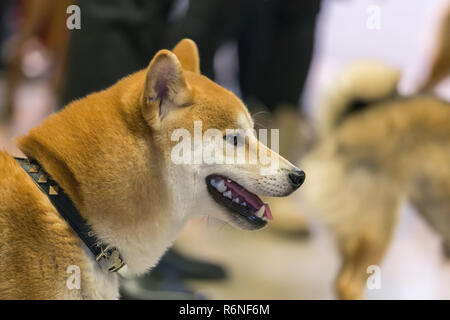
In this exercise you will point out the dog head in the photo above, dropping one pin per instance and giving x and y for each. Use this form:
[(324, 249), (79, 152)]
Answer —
[(206, 134)]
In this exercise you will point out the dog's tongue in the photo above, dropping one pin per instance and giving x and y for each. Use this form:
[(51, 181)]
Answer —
[(250, 198)]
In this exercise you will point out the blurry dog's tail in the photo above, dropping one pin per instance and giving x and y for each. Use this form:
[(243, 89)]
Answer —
[(440, 67), (358, 86)]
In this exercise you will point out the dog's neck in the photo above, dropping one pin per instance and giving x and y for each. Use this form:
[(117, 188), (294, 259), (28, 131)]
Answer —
[(102, 153)]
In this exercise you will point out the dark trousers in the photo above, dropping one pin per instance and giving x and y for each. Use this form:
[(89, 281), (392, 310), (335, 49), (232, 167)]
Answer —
[(275, 42)]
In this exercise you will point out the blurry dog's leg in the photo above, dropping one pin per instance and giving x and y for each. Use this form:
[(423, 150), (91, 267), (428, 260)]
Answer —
[(365, 247), (358, 253), (431, 197)]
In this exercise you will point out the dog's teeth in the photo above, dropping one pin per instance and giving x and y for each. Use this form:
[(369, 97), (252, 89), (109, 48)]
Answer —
[(227, 194), (228, 180), (260, 212), (244, 203), (236, 200), (220, 186), (213, 182)]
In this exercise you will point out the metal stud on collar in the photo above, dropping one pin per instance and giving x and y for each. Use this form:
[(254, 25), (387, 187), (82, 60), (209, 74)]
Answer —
[(43, 178), (53, 190), (34, 168)]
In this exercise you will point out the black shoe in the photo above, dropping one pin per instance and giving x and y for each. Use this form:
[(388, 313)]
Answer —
[(191, 268), (161, 283)]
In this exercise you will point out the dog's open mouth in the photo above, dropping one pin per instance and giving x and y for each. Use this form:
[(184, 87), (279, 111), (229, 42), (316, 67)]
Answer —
[(238, 200)]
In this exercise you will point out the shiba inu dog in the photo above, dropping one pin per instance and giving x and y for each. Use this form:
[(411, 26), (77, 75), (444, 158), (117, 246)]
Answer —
[(375, 151), (111, 153)]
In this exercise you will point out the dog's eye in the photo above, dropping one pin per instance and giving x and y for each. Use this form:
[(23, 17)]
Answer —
[(232, 138)]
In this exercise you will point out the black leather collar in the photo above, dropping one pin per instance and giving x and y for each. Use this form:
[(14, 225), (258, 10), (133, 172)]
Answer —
[(107, 257)]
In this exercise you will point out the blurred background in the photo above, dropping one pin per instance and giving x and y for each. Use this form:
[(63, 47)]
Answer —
[(272, 54)]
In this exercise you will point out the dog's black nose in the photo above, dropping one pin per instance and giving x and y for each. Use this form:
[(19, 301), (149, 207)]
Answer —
[(297, 177)]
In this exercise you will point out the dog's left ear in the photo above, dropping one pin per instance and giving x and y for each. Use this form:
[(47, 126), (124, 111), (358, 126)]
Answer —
[(187, 52), (165, 87)]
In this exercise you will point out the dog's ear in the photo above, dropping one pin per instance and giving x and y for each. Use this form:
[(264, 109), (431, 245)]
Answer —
[(187, 52), (165, 87)]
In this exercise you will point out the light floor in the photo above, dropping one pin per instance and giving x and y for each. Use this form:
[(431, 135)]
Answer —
[(265, 265)]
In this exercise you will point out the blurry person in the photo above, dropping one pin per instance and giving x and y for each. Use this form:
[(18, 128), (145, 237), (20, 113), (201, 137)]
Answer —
[(44, 21), (275, 43), (117, 33), (440, 67), (4, 6)]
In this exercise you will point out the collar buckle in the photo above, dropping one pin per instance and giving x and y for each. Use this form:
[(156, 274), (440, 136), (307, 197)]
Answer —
[(109, 259)]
